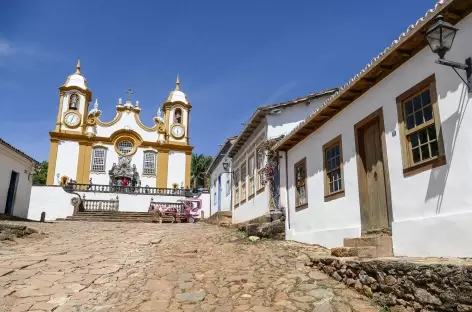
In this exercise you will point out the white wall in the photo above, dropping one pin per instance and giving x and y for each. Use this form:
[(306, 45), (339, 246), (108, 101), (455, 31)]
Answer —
[(176, 169), (67, 158), (56, 202), (290, 117), (225, 190), (51, 199), (10, 160), (430, 209)]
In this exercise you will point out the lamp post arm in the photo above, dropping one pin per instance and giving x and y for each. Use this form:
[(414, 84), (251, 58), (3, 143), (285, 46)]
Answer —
[(467, 67)]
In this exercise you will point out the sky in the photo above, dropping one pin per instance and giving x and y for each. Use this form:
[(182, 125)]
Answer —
[(232, 56)]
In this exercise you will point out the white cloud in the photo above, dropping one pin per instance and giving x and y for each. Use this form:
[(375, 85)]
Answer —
[(6, 48)]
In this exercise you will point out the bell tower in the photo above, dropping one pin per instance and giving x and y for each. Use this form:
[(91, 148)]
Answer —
[(177, 113), (73, 103)]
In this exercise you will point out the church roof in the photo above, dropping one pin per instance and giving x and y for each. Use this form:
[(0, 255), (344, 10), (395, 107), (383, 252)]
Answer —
[(177, 95), (14, 149), (76, 79)]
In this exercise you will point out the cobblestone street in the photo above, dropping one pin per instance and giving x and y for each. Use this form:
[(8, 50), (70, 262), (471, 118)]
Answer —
[(82, 266)]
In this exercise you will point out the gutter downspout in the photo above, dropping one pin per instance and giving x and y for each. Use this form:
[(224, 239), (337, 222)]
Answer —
[(286, 189)]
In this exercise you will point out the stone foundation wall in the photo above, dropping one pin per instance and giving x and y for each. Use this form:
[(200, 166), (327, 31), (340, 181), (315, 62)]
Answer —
[(404, 285)]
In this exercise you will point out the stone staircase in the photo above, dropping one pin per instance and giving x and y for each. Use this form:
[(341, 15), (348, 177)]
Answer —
[(115, 216), (368, 246)]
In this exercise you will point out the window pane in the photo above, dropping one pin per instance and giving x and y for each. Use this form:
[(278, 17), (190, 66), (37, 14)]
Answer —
[(418, 118), (409, 107), (339, 185), (434, 149), (426, 97), (423, 135), (336, 150), (428, 112), (416, 154), (416, 103), (432, 132), (337, 161), (410, 122), (414, 140), (425, 152)]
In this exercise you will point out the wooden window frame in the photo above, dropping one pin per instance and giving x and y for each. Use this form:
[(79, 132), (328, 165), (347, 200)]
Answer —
[(301, 162), (410, 168), (243, 183), (94, 157), (148, 171), (251, 185), (236, 189), (339, 193), (260, 171)]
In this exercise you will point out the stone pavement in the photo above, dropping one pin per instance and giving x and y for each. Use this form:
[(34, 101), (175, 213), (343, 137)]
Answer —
[(93, 266)]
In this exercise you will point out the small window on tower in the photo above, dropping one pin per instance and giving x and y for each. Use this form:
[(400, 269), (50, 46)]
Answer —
[(178, 115), (74, 101)]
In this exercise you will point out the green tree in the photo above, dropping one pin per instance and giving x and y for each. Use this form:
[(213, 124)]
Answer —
[(41, 173), (198, 167)]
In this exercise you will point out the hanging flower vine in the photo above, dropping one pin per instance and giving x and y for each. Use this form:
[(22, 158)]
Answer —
[(269, 170)]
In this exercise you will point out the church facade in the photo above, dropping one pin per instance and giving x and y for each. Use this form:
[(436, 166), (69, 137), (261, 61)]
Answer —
[(123, 151)]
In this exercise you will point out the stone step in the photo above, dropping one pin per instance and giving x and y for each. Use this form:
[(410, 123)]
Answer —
[(382, 243), (365, 241), (361, 252)]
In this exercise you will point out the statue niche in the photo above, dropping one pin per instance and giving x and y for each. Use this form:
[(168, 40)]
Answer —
[(124, 174)]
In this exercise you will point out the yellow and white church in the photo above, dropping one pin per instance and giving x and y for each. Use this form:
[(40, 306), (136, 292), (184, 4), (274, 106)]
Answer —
[(123, 151)]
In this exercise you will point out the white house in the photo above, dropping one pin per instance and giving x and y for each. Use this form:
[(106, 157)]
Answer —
[(16, 179), (220, 179), (389, 152), (250, 195)]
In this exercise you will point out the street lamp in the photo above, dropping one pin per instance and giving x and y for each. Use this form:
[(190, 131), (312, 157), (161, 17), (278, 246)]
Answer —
[(440, 37)]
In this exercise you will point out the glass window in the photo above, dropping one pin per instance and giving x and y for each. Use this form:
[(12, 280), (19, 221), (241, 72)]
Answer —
[(98, 159), (300, 184), (420, 127), (333, 166), (149, 163), (125, 147)]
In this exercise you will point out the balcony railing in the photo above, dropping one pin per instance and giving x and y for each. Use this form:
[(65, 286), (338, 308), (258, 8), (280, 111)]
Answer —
[(101, 204), (133, 190)]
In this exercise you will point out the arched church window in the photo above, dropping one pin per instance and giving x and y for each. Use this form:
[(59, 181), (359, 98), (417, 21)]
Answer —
[(178, 116), (125, 147), (98, 159), (74, 101), (149, 163)]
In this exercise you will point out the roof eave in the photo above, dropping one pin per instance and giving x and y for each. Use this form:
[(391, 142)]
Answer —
[(400, 51)]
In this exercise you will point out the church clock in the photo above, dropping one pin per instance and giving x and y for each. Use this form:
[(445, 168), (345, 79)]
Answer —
[(177, 131), (72, 120)]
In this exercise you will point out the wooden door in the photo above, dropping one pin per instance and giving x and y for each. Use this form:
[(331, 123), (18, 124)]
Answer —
[(372, 177)]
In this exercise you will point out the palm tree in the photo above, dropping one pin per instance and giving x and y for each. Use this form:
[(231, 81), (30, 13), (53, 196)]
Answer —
[(198, 168)]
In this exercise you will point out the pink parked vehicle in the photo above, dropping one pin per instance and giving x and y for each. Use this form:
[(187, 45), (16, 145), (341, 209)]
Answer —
[(185, 210)]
